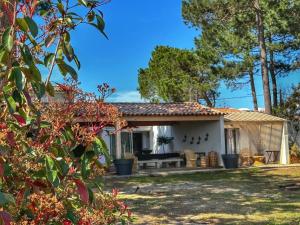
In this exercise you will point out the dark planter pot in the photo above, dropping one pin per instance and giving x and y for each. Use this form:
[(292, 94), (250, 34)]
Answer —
[(231, 161), (123, 166)]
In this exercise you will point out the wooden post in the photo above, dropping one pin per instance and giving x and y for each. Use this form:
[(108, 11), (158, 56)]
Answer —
[(118, 140)]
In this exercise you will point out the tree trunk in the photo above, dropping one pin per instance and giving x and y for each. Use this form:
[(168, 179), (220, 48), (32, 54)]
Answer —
[(263, 57), (253, 90), (273, 76), (207, 100), (281, 100)]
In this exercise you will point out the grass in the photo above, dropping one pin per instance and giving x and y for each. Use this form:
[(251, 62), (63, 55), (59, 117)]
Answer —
[(252, 196)]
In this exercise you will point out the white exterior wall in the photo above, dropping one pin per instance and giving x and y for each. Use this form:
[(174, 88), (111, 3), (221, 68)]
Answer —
[(215, 142), (161, 131)]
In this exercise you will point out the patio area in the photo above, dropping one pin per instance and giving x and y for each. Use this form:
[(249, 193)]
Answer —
[(243, 196)]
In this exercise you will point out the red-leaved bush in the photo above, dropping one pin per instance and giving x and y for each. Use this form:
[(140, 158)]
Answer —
[(50, 139)]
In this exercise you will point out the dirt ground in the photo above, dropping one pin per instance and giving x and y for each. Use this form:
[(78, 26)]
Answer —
[(251, 196)]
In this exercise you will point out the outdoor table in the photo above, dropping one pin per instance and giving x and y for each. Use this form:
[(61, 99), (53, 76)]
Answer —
[(269, 155)]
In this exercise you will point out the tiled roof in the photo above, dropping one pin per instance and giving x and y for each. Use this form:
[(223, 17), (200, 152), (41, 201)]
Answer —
[(227, 110), (251, 117), (165, 109)]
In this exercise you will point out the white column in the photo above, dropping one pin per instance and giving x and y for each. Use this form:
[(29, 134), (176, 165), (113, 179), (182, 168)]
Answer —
[(284, 150), (222, 140), (118, 140)]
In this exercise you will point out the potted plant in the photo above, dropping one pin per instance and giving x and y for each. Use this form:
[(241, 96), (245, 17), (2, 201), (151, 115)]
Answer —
[(231, 160), (124, 165), (164, 140)]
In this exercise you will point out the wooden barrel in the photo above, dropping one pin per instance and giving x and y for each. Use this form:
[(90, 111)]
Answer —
[(213, 159), (203, 161)]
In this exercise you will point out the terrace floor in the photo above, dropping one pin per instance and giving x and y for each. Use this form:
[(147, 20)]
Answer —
[(242, 196)]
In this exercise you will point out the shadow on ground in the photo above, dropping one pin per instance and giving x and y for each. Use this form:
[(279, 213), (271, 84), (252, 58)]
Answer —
[(251, 196)]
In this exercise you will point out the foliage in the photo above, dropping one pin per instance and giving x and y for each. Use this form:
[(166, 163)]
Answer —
[(175, 75), (164, 140), (295, 151), (289, 108), (49, 146), (245, 31)]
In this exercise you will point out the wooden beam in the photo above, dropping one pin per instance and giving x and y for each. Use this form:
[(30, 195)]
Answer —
[(169, 118), (150, 123)]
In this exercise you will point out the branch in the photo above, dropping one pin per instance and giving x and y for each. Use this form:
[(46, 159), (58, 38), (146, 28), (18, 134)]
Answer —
[(53, 61)]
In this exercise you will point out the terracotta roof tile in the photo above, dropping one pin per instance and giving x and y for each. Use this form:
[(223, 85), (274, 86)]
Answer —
[(165, 109)]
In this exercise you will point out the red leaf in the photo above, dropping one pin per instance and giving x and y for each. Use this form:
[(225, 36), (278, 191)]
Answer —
[(11, 139), (5, 217), (28, 98), (3, 126), (20, 119), (82, 190)]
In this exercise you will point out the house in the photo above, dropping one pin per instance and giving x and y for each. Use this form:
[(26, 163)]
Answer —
[(199, 128)]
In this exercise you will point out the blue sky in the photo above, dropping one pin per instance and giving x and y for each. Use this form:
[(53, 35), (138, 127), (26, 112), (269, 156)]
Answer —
[(134, 28)]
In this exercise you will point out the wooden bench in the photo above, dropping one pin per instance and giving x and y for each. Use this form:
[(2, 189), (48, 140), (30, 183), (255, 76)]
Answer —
[(158, 162)]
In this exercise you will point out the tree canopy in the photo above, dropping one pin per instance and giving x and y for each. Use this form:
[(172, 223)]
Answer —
[(248, 31), (176, 75)]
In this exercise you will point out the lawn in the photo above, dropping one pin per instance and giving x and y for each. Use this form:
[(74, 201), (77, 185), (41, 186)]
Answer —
[(249, 196)]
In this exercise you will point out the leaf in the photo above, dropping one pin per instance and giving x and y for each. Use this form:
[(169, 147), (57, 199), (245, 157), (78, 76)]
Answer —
[(36, 75), (5, 217), (60, 7), (68, 51), (77, 62), (7, 39), (17, 76), (65, 68), (32, 26), (91, 16), (85, 169), (17, 97), (39, 89), (51, 172), (48, 59), (20, 119), (82, 2), (96, 25), (26, 54), (6, 198), (49, 162), (3, 54), (11, 104), (22, 24), (100, 23), (82, 190)]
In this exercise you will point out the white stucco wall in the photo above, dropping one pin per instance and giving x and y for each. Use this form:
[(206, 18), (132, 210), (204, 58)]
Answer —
[(215, 142), (161, 131)]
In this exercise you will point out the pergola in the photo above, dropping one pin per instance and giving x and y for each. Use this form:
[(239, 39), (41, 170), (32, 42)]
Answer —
[(261, 129)]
